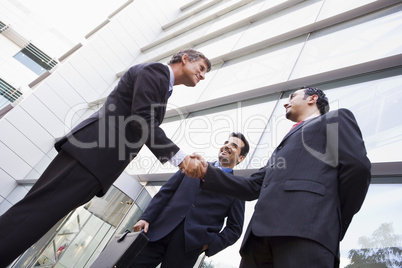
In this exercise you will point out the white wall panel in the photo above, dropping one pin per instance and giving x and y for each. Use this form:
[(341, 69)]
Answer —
[(17, 194), (89, 73), (12, 164), (7, 184), (129, 23), (52, 101), (141, 19), (127, 41), (19, 143), (43, 116), (64, 89), (109, 56), (78, 82), (4, 205), (100, 65), (24, 122), (115, 45)]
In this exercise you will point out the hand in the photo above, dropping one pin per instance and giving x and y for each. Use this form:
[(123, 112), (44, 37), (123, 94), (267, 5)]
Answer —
[(194, 166), (141, 225), (191, 166)]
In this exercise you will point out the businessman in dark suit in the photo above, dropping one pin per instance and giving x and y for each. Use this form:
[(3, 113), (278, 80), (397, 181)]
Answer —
[(312, 185), (93, 155), (182, 220)]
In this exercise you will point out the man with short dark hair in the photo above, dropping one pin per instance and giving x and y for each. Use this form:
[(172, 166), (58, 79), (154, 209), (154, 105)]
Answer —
[(94, 154), (310, 189), (182, 220)]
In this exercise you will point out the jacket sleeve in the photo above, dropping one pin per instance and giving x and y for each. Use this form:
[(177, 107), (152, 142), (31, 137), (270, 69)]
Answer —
[(232, 230), (354, 168), (246, 189), (162, 198), (148, 106)]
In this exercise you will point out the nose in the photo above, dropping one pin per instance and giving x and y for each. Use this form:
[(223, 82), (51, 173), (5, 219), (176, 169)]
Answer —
[(202, 75)]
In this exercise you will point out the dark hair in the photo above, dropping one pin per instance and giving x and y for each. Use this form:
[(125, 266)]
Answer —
[(322, 101), (244, 150), (192, 54)]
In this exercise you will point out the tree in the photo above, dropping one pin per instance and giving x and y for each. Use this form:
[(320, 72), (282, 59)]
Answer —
[(381, 250)]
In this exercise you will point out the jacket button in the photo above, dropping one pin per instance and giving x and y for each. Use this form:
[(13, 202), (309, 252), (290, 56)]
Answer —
[(265, 185), (193, 205)]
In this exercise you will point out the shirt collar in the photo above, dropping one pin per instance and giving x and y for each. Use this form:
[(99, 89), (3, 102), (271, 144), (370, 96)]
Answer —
[(225, 169), (171, 81)]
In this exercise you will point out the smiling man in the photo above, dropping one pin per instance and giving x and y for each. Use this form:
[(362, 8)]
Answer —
[(94, 154), (182, 220)]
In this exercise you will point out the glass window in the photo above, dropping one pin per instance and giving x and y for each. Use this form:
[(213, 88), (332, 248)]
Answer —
[(8, 93), (205, 131), (374, 238), (280, 22), (332, 8), (35, 59), (30, 63), (274, 132), (375, 101), (258, 69), (364, 39), (82, 235)]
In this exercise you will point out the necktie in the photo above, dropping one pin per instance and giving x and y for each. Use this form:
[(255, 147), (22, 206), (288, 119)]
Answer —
[(170, 93)]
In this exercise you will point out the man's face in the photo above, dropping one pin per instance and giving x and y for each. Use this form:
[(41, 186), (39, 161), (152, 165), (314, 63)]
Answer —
[(193, 71), (229, 153), (295, 106)]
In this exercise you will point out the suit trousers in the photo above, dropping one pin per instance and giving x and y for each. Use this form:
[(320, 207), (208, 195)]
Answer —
[(285, 252), (64, 186), (170, 251)]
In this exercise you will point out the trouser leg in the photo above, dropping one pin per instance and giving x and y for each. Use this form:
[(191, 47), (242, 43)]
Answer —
[(300, 252), (176, 255), (64, 186), (257, 253)]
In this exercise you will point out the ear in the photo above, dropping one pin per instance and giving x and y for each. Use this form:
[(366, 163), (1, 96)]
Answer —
[(184, 59), (241, 158), (313, 99)]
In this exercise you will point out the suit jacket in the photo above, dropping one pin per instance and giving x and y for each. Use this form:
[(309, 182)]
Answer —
[(313, 184), (109, 139), (203, 212)]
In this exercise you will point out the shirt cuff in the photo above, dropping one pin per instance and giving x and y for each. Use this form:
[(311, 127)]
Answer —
[(177, 158)]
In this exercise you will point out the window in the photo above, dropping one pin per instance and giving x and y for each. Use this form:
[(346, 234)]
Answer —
[(8, 93), (374, 238), (3, 27), (35, 59)]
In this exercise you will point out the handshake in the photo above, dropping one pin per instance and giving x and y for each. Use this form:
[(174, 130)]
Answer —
[(194, 166)]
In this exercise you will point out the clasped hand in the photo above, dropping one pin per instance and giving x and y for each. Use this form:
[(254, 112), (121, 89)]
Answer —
[(194, 166)]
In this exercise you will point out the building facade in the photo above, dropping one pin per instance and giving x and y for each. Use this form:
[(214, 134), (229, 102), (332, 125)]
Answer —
[(261, 52)]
